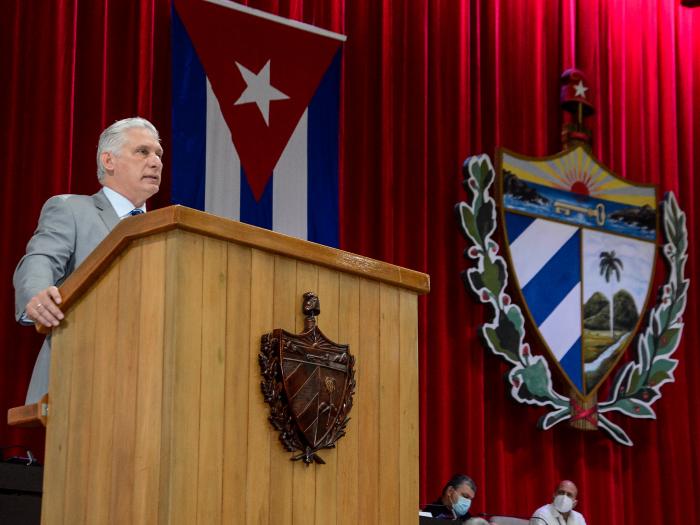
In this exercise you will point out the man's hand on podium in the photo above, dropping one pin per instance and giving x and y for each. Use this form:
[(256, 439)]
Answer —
[(43, 307)]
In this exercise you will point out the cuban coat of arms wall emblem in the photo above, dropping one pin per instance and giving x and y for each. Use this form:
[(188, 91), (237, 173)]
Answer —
[(580, 246)]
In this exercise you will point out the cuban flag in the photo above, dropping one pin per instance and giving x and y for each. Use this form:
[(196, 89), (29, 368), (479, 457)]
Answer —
[(255, 118)]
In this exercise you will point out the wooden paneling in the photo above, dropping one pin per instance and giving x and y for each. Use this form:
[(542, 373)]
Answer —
[(326, 477), (187, 365), (286, 303), (238, 387), (165, 393), (170, 340), (127, 318), (58, 425), (211, 420), (78, 450), (367, 399), (348, 488), (258, 485), (408, 406), (389, 418), (149, 406), (101, 416)]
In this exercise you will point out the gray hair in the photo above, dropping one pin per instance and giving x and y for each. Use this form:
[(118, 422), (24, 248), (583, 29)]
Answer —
[(112, 139), (457, 480)]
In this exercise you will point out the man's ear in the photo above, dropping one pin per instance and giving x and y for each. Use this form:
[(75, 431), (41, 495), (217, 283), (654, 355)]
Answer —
[(107, 160)]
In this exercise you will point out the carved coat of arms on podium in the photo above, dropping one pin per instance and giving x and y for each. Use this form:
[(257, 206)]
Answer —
[(309, 382), (580, 246)]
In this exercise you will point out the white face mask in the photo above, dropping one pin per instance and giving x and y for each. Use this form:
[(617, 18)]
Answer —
[(563, 503)]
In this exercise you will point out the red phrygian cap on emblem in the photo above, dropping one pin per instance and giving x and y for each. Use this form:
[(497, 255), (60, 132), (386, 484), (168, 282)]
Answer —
[(576, 90)]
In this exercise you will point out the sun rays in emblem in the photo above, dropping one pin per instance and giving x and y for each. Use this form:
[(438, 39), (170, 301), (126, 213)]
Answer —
[(579, 182), (577, 172)]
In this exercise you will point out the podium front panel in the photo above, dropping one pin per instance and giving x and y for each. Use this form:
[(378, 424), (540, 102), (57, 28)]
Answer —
[(156, 413)]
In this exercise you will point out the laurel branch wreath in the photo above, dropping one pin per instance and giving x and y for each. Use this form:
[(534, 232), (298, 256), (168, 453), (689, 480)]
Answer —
[(637, 384)]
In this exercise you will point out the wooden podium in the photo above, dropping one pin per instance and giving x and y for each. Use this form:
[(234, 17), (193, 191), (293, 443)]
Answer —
[(155, 414)]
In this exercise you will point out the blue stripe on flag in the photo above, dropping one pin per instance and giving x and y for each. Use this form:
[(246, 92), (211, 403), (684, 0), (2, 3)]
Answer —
[(188, 120), (571, 363), (256, 213), (323, 117), (189, 145), (516, 224), (555, 280)]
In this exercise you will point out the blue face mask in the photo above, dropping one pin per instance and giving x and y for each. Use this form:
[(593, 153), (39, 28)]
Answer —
[(461, 506)]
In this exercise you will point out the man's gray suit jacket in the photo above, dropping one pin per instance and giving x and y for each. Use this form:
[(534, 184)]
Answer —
[(70, 227)]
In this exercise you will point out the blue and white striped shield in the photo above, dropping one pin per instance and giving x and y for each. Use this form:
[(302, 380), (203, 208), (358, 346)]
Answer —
[(581, 244)]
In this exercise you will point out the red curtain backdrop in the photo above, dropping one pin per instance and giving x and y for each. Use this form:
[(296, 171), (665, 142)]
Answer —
[(425, 84), (69, 69)]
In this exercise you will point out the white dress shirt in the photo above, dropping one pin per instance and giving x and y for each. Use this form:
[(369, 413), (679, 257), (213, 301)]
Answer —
[(548, 515), (122, 206)]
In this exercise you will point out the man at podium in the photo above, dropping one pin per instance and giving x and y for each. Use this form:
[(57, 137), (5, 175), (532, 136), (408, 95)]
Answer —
[(129, 168)]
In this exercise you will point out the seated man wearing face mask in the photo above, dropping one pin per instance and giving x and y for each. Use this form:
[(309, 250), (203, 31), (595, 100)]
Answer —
[(456, 499), (560, 511)]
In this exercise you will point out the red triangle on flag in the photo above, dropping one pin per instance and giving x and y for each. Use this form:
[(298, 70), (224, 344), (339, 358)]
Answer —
[(263, 69)]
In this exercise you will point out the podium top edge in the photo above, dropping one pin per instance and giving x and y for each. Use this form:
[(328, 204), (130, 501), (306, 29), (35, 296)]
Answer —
[(207, 224)]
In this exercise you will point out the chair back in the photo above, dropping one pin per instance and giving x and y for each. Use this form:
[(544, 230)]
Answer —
[(508, 520)]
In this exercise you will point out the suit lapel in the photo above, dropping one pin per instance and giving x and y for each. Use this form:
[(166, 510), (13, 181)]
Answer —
[(105, 210)]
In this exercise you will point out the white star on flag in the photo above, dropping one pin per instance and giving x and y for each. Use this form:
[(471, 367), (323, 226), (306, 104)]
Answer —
[(259, 90), (580, 89)]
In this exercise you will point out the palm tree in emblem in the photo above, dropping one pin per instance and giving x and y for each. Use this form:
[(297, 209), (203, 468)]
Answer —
[(610, 265)]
